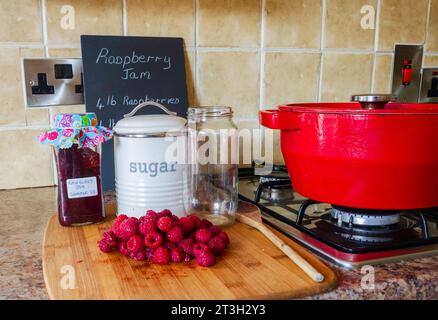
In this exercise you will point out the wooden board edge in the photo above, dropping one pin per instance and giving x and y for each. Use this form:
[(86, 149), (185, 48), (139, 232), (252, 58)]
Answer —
[(44, 260)]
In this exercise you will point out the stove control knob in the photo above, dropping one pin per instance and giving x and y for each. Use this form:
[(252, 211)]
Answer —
[(373, 101)]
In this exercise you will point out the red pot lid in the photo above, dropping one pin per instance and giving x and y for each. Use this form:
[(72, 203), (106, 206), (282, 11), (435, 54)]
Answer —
[(365, 104)]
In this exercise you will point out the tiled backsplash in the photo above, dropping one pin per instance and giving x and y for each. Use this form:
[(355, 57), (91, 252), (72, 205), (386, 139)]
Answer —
[(250, 54)]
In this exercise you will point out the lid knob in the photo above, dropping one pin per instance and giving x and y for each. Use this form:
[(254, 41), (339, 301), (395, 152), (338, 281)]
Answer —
[(373, 101)]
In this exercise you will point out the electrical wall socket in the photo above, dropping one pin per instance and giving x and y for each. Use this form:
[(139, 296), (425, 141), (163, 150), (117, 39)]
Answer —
[(429, 85), (406, 72), (51, 82)]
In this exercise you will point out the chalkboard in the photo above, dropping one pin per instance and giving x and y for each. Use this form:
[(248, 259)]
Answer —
[(121, 72)]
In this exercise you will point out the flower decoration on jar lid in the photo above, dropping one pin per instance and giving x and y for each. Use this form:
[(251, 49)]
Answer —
[(79, 128)]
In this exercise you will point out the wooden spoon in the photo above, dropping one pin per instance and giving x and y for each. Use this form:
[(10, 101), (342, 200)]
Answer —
[(250, 215)]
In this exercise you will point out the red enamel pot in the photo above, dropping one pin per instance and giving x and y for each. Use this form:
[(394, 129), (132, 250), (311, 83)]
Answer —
[(352, 155)]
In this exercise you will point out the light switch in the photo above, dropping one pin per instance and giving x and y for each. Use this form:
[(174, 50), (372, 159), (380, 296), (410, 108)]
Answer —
[(406, 72)]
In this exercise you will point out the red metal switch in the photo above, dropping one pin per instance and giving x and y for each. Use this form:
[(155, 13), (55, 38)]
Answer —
[(407, 72)]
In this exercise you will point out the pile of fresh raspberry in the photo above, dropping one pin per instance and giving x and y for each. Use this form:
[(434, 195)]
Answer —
[(162, 238)]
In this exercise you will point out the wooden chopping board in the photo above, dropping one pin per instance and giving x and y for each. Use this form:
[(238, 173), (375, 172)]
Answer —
[(251, 268)]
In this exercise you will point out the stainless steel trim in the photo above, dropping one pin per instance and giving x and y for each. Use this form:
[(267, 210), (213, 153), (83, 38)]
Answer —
[(151, 135), (376, 97)]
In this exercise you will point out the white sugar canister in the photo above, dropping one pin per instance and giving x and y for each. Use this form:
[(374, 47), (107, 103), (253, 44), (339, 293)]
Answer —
[(150, 153)]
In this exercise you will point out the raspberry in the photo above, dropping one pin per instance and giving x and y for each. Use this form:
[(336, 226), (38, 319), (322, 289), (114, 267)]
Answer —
[(123, 249), (147, 226), (224, 236), (121, 217), (205, 224), (110, 238), (205, 258), (217, 245), (164, 223), (139, 255), (177, 255), (174, 218), (115, 228), (128, 227), (135, 243), (161, 256), (149, 254), (151, 215), (169, 245), (196, 221), (187, 258), (187, 245), (176, 234), (187, 224), (165, 213), (104, 246), (198, 247), (153, 240), (203, 235), (215, 230)]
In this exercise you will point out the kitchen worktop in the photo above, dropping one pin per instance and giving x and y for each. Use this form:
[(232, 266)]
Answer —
[(25, 212)]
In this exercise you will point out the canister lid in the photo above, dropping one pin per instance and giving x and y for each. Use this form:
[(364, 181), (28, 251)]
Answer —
[(154, 123)]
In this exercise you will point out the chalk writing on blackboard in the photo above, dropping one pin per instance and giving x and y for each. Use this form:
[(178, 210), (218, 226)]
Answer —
[(127, 63), (128, 101)]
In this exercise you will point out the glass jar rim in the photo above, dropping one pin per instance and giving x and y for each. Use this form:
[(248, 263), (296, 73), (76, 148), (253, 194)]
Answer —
[(210, 111)]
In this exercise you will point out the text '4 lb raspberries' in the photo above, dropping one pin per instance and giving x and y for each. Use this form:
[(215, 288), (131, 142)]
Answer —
[(162, 238)]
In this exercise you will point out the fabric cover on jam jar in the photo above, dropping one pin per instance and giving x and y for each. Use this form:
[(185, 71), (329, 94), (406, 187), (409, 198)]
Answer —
[(76, 139)]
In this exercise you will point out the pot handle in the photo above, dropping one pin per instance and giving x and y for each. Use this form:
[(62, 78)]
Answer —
[(149, 103), (278, 119)]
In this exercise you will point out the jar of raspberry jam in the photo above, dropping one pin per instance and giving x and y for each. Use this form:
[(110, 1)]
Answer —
[(76, 140)]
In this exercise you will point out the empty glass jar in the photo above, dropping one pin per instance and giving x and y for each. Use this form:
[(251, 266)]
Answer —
[(212, 164)]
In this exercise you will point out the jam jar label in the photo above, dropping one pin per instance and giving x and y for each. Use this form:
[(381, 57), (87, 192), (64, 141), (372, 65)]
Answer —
[(82, 187)]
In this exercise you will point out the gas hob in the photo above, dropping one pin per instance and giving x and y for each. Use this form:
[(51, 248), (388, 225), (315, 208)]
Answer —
[(348, 237)]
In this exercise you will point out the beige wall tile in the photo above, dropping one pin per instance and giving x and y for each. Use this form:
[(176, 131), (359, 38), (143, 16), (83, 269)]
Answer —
[(229, 23), (345, 75), (293, 23), (24, 161), (13, 110), (291, 77), (189, 57), (20, 21), (37, 116), (96, 17), (65, 53), (382, 76), (432, 28), (402, 21), (169, 18), (431, 61), (230, 78), (343, 25)]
